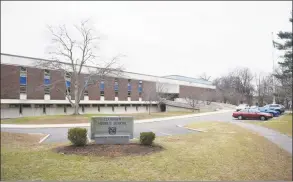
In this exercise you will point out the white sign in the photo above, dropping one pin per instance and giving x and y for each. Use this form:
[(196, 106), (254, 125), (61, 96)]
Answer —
[(111, 128)]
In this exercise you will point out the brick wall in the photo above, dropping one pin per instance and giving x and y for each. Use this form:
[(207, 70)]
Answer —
[(134, 90), (94, 91), (109, 88), (9, 82), (57, 81), (186, 91), (35, 81), (123, 92)]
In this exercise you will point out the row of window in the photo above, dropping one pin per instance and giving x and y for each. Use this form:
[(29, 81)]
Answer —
[(44, 106), (47, 82)]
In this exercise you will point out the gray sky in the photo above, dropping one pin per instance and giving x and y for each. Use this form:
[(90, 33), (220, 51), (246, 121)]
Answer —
[(159, 38)]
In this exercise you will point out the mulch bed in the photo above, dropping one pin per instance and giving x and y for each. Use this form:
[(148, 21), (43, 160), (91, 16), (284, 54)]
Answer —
[(109, 150)]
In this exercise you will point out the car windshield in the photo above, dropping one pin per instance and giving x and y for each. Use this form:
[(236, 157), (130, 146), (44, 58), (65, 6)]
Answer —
[(254, 110), (274, 105)]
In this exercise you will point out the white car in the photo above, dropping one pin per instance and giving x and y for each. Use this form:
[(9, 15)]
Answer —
[(242, 106)]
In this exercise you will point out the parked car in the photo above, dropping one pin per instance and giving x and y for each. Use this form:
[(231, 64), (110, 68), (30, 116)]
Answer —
[(276, 107), (242, 106), (271, 111), (252, 114)]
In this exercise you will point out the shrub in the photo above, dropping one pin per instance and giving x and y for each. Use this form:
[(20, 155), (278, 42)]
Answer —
[(147, 138), (77, 136)]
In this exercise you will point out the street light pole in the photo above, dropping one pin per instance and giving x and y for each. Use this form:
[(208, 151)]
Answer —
[(273, 57)]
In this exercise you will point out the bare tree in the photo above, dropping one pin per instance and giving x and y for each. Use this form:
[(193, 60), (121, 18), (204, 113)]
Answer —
[(71, 56), (157, 93), (205, 77)]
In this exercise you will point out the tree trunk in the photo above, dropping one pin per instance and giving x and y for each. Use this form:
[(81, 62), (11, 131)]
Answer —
[(76, 96)]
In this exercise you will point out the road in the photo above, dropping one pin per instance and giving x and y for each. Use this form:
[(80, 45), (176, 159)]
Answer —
[(161, 128)]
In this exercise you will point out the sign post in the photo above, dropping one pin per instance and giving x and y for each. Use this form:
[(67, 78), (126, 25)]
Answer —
[(111, 129)]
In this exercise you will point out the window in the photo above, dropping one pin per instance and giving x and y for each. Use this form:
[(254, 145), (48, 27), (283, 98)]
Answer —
[(26, 105), (136, 108), (65, 109), (13, 106), (86, 92), (129, 88), (98, 108), (140, 88), (102, 87), (44, 109), (113, 108), (20, 109), (47, 89), (68, 91), (125, 108), (22, 89)]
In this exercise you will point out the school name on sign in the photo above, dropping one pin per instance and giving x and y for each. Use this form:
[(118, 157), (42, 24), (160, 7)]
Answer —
[(114, 125)]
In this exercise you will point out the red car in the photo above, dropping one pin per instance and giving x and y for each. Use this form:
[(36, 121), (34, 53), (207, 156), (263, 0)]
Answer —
[(252, 114)]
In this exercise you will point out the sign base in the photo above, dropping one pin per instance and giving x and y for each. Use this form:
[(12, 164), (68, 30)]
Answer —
[(112, 139)]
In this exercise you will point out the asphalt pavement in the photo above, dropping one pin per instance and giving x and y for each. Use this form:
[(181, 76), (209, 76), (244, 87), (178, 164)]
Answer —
[(161, 128)]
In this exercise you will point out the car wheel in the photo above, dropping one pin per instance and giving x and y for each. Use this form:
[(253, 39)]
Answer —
[(263, 118), (240, 117)]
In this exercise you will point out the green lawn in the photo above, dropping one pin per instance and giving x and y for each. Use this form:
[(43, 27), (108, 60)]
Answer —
[(61, 119), (282, 124), (212, 155)]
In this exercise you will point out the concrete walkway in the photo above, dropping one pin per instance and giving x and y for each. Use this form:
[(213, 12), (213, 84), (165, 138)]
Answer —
[(283, 141), (88, 124)]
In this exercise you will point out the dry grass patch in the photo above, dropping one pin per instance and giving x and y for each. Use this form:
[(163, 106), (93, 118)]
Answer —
[(197, 156)]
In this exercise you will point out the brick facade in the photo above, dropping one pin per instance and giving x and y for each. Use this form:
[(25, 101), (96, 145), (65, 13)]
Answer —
[(9, 82), (134, 90), (148, 89), (57, 81), (123, 92), (109, 88), (35, 82)]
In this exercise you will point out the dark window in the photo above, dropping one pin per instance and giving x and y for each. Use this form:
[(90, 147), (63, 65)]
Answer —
[(116, 94), (47, 90), (65, 109), (26, 105), (20, 109), (68, 91), (44, 109), (125, 108), (13, 105), (113, 108), (22, 89), (102, 93), (98, 108), (129, 94), (136, 108), (22, 69), (86, 92), (146, 107), (116, 86)]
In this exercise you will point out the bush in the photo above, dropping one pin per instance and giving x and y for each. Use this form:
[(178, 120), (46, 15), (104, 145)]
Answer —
[(77, 136), (147, 138)]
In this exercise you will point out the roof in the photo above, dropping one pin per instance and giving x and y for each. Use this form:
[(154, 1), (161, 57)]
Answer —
[(188, 79)]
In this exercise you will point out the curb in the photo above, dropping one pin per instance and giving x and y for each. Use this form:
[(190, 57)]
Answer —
[(88, 124)]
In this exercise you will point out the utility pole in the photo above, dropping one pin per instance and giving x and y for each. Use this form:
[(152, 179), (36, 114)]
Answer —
[(273, 57)]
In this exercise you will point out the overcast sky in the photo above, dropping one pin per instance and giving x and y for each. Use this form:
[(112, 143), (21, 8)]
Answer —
[(159, 38)]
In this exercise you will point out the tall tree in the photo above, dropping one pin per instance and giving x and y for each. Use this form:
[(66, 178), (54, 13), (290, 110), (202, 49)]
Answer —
[(72, 57), (284, 74)]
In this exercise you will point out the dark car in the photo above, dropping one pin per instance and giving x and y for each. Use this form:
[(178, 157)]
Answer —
[(252, 114)]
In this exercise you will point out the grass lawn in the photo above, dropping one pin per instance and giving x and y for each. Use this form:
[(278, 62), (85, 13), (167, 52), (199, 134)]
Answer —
[(62, 119), (282, 124), (212, 155)]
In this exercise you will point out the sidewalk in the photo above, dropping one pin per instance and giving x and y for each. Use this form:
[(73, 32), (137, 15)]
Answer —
[(283, 141), (88, 124)]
